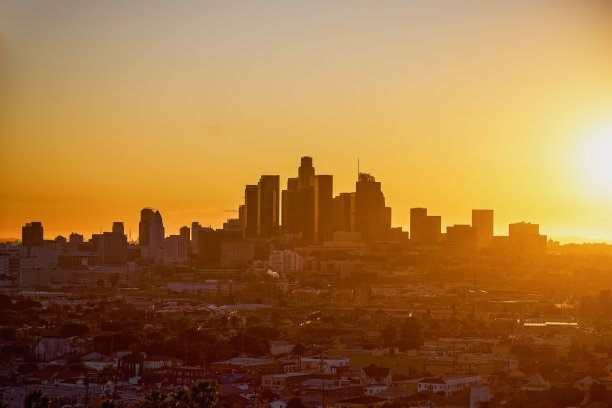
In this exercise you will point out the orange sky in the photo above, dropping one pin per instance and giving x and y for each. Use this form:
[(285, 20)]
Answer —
[(108, 107)]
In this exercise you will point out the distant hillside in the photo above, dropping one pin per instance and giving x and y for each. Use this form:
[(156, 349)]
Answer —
[(580, 240)]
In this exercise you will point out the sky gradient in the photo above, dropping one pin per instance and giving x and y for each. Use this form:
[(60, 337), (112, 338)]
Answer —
[(108, 107)]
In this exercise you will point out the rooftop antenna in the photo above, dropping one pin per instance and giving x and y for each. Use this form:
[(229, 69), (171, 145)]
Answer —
[(357, 167)]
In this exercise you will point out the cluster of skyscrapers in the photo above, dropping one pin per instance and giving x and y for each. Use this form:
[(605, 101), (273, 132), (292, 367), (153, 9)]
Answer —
[(305, 213)]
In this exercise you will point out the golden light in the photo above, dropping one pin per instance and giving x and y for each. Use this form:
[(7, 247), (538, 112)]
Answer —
[(595, 159)]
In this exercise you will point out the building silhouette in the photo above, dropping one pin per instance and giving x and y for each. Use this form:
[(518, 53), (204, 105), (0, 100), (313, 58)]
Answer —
[(525, 239), (482, 222), (251, 203), (371, 218), (144, 226), (323, 210), (307, 205), (32, 234), (424, 229), (343, 212), (461, 240), (185, 232), (268, 198), (118, 227)]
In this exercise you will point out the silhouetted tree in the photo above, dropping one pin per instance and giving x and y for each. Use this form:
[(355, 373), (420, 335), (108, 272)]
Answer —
[(36, 399)]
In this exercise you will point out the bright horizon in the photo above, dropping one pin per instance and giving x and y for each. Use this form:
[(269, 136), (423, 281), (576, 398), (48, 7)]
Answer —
[(109, 107)]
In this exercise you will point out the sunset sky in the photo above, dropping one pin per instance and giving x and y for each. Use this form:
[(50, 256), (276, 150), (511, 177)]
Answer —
[(110, 106)]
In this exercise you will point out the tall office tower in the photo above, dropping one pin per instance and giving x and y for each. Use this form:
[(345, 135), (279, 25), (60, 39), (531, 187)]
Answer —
[(251, 198), (32, 234), (185, 233), (144, 226), (482, 221), (157, 232), (118, 227), (424, 229), (343, 212), (305, 173), (525, 239), (268, 190), (417, 217), (242, 216), (290, 204), (323, 197), (195, 229), (369, 208)]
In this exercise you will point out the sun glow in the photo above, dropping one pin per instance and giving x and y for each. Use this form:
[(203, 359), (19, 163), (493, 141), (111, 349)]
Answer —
[(595, 159)]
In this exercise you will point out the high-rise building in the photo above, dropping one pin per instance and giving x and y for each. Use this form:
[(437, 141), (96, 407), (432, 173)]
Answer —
[(323, 198), (306, 173), (185, 232), (144, 226), (195, 230), (251, 199), (157, 232), (369, 208), (525, 239), (32, 234), (343, 212), (268, 198), (307, 204), (118, 227), (482, 221), (461, 240), (424, 229), (291, 208)]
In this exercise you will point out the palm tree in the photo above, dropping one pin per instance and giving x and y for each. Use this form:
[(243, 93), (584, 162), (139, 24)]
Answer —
[(180, 398), (156, 399), (204, 393), (113, 403)]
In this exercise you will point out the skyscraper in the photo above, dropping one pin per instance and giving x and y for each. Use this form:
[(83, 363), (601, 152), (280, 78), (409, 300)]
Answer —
[(307, 204), (32, 234), (343, 212), (185, 233), (251, 194), (268, 190), (157, 232), (291, 208), (369, 208), (323, 196), (144, 226), (482, 221)]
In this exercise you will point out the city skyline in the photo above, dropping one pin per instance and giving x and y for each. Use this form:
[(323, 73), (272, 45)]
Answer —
[(302, 215), (452, 107)]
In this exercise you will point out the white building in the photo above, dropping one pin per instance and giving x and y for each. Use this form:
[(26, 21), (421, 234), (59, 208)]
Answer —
[(285, 261), (448, 385)]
